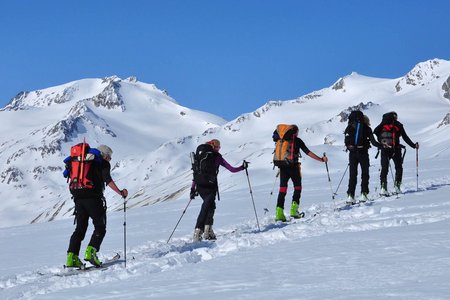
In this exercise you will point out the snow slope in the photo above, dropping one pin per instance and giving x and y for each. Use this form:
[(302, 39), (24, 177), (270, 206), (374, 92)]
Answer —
[(396, 247)]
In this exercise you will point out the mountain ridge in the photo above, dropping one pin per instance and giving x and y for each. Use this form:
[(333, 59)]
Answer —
[(152, 135)]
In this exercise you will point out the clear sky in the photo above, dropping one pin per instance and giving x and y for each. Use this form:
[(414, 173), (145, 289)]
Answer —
[(226, 57)]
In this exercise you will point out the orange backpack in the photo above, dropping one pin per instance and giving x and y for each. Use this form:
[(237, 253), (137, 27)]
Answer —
[(284, 154)]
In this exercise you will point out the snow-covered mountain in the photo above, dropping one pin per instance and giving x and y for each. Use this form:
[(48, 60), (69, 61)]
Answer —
[(38, 128), (152, 135), (390, 247)]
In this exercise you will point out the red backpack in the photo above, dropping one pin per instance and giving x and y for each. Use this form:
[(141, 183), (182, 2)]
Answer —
[(389, 130), (80, 167)]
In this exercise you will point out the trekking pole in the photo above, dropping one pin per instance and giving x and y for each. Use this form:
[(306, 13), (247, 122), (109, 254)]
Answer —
[(337, 189), (251, 194), (266, 210), (179, 221), (417, 168), (329, 180), (125, 230)]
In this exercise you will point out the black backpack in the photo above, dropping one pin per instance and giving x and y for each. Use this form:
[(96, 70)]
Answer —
[(354, 131), (204, 166)]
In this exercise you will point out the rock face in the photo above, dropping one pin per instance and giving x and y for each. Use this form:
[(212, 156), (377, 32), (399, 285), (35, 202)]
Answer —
[(421, 75), (446, 88), (445, 121)]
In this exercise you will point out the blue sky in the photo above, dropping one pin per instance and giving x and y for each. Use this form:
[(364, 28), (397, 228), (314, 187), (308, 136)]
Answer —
[(224, 57)]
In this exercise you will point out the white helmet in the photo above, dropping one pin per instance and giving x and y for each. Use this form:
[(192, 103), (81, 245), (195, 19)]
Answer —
[(105, 150)]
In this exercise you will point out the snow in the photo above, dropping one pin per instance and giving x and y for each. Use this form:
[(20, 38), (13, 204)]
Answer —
[(393, 247)]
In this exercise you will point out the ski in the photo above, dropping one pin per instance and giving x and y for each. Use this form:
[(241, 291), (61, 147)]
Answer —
[(107, 263), (348, 206)]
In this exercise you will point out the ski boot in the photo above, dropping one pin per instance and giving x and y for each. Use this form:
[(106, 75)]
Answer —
[(73, 261), (294, 211), (197, 235), (383, 191), (209, 233), (279, 214), (363, 198), (90, 255), (350, 199), (397, 186)]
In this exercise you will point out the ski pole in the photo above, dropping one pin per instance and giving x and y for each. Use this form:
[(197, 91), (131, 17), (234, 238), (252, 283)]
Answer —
[(329, 180), (266, 210), (179, 221), (125, 230), (337, 189), (251, 194), (417, 168)]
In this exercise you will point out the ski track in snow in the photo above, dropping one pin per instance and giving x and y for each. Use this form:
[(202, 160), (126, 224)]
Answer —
[(158, 256)]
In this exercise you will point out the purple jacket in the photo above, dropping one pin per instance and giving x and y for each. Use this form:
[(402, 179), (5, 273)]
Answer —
[(220, 161)]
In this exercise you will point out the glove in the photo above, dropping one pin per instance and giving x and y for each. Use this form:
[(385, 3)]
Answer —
[(124, 193), (193, 194), (245, 164)]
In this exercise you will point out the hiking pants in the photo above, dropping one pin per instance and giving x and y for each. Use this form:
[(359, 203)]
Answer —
[(396, 156), (294, 174), (206, 215), (94, 208), (360, 157)]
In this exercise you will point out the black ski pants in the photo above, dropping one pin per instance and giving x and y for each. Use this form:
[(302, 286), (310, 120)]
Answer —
[(206, 215), (361, 157), (396, 156), (94, 208), (293, 173)]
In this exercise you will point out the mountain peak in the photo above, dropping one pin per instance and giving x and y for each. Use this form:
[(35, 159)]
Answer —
[(422, 74)]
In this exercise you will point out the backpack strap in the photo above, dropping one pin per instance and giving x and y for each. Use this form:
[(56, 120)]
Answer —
[(357, 132)]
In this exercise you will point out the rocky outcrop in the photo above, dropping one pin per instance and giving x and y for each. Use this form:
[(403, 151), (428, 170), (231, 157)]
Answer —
[(420, 75), (445, 121), (343, 115), (110, 97), (446, 88)]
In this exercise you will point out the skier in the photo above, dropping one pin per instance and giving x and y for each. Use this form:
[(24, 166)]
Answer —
[(205, 184), (358, 136), (389, 132), (92, 205), (290, 170)]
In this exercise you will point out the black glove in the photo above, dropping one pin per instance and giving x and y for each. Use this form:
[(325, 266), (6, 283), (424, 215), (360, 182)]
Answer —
[(245, 164), (193, 193)]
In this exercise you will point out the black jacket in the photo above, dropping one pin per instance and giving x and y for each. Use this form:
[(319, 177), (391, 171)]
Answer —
[(401, 133), (367, 138)]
